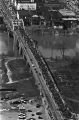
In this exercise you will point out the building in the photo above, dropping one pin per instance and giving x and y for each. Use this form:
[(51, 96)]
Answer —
[(54, 4), (63, 17), (68, 18), (24, 4), (25, 9)]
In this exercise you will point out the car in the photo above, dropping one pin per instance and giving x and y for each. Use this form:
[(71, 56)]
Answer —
[(33, 65), (31, 119), (23, 101), (22, 109), (22, 116), (16, 102)]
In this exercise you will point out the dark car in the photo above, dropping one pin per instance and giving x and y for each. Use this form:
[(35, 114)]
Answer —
[(16, 102)]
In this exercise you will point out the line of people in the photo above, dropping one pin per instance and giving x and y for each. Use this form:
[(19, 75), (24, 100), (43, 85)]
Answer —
[(51, 84)]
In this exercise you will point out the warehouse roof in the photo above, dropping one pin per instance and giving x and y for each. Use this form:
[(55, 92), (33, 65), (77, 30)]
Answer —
[(66, 12)]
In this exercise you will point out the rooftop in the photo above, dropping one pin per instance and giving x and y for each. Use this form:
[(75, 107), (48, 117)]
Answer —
[(66, 12)]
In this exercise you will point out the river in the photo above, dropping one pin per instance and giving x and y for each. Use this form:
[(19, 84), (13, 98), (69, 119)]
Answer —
[(52, 45), (5, 44)]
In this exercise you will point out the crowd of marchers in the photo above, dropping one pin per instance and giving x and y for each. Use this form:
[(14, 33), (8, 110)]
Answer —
[(63, 108)]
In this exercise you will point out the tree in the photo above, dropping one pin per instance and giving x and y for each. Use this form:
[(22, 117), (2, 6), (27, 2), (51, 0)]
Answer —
[(75, 63), (62, 45), (62, 48)]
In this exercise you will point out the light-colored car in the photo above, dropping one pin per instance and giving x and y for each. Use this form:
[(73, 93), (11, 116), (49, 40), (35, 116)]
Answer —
[(22, 116)]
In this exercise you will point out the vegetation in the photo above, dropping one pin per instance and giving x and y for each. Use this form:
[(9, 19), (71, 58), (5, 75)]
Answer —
[(66, 77)]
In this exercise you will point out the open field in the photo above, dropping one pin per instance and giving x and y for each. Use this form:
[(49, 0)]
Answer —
[(22, 84), (67, 80)]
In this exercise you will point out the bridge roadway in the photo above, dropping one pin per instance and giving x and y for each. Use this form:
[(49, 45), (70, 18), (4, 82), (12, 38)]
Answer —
[(32, 61)]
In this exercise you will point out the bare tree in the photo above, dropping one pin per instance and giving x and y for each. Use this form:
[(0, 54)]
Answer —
[(62, 45)]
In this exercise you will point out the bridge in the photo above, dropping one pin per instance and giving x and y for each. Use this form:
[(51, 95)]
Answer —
[(37, 64)]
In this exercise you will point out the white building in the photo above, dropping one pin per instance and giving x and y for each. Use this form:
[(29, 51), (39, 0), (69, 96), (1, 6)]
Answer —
[(24, 4)]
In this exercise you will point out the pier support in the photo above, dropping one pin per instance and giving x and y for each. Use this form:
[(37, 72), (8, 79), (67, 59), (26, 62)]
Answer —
[(10, 42), (15, 45)]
